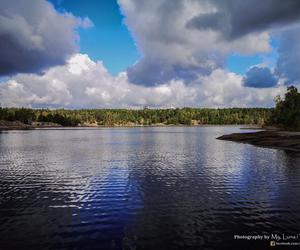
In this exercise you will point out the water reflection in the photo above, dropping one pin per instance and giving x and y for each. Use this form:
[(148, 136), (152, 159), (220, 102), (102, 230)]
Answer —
[(163, 188)]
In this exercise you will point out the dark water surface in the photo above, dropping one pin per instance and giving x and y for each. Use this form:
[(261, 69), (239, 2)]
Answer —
[(143, 188)]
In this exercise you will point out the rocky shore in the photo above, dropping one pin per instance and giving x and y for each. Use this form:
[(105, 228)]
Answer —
[(15, 125), (274, 139)]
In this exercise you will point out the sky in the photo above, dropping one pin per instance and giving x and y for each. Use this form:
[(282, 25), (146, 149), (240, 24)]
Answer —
[(135, 53), (109, 40)]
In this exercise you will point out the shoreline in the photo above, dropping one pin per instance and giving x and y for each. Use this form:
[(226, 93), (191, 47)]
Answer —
[(21, 126), (285, 140)]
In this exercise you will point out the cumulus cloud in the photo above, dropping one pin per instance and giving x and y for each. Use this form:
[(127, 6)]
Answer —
[(286, 70), (183, 43), (83, 83), (234, 19), (259, 77), (186, 39), (289, 56), (34, 36), (172, 50)]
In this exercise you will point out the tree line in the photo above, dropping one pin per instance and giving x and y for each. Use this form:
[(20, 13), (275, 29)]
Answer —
[(113, 117), (286, 114)]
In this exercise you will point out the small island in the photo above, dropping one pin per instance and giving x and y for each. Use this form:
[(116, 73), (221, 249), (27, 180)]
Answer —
[(286, 119)]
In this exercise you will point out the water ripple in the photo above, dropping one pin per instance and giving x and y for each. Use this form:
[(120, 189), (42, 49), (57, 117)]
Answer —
[(162, 188)]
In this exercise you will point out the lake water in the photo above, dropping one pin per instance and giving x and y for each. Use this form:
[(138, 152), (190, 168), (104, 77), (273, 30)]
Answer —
[(143, 188)]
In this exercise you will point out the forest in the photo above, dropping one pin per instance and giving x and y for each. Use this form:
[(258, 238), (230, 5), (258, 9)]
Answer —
[(118, 117), (286, 114)]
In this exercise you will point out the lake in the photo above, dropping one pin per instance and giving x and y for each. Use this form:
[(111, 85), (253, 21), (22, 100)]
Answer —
[(143, 188)]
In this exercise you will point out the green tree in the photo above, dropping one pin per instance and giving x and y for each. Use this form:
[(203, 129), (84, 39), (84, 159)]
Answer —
[(287, 111)]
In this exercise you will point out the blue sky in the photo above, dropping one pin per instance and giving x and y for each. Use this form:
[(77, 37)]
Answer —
[(241, 63), (109, 40)]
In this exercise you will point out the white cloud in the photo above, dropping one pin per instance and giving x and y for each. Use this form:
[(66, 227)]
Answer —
[(289, 56), (173, 50), (34, 36), (83, 83), (183, 56)]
